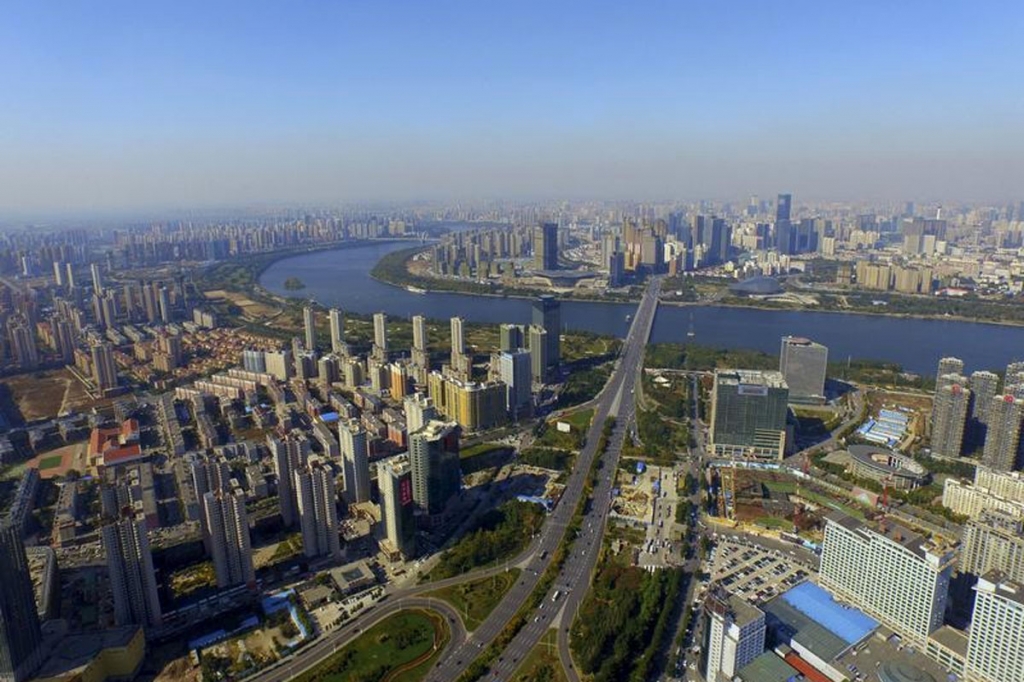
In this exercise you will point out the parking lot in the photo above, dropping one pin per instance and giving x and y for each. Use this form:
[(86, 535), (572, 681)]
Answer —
[(755, 573), (661, 544)]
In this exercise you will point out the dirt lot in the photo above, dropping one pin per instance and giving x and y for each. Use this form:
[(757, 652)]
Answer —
[(43, 395), (74, 456)]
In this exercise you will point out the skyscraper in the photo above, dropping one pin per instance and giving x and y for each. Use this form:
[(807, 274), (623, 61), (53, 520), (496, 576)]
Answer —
[(734, 635), (984, 386), (228, 522), (510, 337), (545, 247), (892, 574), (24, 345), (380, 337), (309, 324), (1005, 418), (97, 278), (434, 456), (784, 236), (783, 206), (355, 459), (748, 414), (419, 409), (104, 370), (461, 364), (419, 332), (547, 313), (130, 564), (538, 353), (804, 364), (336, 319), (64, 339), (318, 510), (995, 646), (949, 415), (20, 634), (515, 370), (164, 298), (398, 507), (288, 455)]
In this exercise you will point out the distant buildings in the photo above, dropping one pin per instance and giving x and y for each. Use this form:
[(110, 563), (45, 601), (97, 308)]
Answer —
[(434, 459), (318, 511), (804, 365), (379, 351), (515, 368), (545, 247), (547, 313), (891, 573), (397, 505), (20, 634), (748, 414), (734, 635), (539, 349), (995, 648), (132, 577), (309, 326)]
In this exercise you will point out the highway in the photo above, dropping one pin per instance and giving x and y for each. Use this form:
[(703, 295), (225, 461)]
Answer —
[(617, 399)]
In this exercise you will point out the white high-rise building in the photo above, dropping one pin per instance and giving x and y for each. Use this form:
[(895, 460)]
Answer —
[(318, 510), (419, 409), (995, 645), (230, 547), (397, 507), (735, 636), (309, 324), (380, 337), (130, 565), (355, 459), (895, 575), (419, 332), (337, 323), (104, 369)]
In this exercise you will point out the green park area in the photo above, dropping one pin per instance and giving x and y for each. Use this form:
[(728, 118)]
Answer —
[(401, 648), (475, 600), (549, 435), (499, 534), (542, 664), (51, 462)]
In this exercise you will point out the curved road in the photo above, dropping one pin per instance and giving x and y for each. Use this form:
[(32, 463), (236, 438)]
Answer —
[(616, 399)]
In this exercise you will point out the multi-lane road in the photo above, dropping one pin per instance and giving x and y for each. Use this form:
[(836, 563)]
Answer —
[(614, 400)]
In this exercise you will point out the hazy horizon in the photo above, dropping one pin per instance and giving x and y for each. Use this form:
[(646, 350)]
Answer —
[(125, 108)]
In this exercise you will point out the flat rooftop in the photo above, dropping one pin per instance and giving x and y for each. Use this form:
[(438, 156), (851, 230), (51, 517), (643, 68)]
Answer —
[(894, 532), (751, 377), (807, 614)]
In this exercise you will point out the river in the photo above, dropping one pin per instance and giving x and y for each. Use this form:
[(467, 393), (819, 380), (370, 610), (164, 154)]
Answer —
[(342, 278)]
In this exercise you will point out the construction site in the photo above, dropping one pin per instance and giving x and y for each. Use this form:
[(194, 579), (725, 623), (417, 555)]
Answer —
[(773, 499)]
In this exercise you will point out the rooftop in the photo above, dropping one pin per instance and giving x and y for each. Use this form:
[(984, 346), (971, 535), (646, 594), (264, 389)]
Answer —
[(750, 377), (768, 667), (997, 583)]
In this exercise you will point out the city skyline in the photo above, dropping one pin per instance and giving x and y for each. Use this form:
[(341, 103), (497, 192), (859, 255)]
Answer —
[(142, 109)]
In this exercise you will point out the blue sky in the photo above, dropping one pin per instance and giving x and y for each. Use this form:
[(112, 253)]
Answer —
[(133, 105)]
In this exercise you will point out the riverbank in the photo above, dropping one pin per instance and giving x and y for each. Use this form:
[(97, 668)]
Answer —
[(396, 273)]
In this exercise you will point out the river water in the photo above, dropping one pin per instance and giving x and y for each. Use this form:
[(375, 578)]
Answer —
[(342, 278)]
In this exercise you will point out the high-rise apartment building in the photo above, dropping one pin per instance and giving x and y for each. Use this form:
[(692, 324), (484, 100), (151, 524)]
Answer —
[(547, 313), (948, 366), (420, 354), (515, 370), (545, 247), (461, 364), (130, 565), (309, 325), (318, 510), (475, 406), (1005, 419), (23, 342), (336, 321), (984, 386), (748, 414), (104, 369), (20, 634), (419, 409), (397, 505), (804, 365), (993, 540), (230, 548), (355, 461), (950, 408), (288, 456), (434, 460), (995, 645), (892, 574), (380, 337), (733, 637)]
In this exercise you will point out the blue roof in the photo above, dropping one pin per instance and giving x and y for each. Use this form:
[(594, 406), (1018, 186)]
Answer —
[(329, 416), (844, 622)]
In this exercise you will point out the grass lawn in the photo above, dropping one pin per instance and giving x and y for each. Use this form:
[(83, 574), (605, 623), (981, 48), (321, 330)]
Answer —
[(51, 462), (401, 648), (542, 663), (475, 600), (774, 522), (579, 421)]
